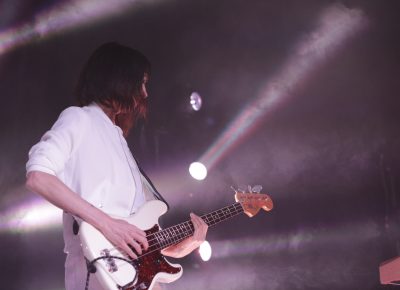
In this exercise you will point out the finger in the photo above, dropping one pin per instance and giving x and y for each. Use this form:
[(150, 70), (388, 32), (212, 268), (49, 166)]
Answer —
[(140, 236), (199, 228), (199, 224), (195, 225), (143, 241), (136, 246), (128, 251), (195, 219)]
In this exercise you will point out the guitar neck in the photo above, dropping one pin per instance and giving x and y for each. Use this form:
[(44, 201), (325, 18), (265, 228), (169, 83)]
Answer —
[(175, 234)]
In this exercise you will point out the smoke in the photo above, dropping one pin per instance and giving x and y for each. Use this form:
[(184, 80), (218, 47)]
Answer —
[(308, 258), (334, 25)]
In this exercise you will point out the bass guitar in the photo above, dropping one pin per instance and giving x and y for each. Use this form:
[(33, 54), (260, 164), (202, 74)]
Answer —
[(115, 270)]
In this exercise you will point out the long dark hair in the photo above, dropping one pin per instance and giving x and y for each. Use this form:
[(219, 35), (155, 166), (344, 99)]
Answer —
[(113, 77)]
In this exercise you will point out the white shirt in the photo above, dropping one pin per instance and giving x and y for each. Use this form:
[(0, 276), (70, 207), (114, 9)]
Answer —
[(86, 151)]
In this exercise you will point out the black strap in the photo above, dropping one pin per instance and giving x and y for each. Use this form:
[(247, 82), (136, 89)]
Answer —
[(156, 193), (75, 226)]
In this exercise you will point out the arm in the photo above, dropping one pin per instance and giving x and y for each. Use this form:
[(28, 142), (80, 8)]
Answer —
[(118, 232), (190, 244)]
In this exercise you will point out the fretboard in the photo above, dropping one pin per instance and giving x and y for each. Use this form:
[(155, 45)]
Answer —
[(175, 234)]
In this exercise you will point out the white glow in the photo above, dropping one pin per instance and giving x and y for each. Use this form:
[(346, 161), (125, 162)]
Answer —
[(196, 101), (205, 251), (31, 216), (197, 170)]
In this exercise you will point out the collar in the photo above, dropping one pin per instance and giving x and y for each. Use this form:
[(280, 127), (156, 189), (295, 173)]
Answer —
[(99, 111)]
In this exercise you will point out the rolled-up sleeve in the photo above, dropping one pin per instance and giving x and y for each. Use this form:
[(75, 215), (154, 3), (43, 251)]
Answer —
[(59, 143)]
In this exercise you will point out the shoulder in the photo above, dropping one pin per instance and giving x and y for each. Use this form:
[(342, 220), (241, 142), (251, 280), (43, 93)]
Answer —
[(74, 113), (75, 116)]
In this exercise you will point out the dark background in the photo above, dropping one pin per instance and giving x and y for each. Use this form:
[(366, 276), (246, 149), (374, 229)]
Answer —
[(328, 156)]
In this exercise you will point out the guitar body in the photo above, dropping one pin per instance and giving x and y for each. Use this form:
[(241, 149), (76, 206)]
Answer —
[(116, 274), (115, 271)]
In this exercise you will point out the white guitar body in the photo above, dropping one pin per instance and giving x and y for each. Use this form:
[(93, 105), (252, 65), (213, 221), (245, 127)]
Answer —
[(116, 274)]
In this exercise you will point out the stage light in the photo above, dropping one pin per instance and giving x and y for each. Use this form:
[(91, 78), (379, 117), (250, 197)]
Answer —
[(335, 25), (205, 251), (197, 170), (196, 101)]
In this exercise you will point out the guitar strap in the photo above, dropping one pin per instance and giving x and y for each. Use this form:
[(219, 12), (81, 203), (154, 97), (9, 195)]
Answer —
[(152, 188)]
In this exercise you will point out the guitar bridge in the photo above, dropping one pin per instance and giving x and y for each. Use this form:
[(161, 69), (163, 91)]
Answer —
[(109, 261)]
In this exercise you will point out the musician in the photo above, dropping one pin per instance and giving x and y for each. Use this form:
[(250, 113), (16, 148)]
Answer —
[(83, 164)]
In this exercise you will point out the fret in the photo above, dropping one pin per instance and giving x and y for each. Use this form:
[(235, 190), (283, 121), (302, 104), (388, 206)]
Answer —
[(160, 238), (222, 214), (167, 235), (176, 234), (183, 231)]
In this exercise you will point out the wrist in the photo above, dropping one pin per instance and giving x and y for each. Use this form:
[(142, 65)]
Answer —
[(97, 218)]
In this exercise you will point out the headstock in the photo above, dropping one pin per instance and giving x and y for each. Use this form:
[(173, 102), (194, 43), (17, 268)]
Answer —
[(252, 202)]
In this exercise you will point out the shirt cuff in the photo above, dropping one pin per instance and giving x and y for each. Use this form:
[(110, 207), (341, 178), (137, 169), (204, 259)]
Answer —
[(40, 168)]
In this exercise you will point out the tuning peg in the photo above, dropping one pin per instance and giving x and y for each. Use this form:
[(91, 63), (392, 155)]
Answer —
[(247, 189), (242, 188), (256, 189)]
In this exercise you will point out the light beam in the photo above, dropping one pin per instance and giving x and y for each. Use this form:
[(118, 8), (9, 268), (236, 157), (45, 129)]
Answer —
[(335, 25), (61, 17), (32, 215)]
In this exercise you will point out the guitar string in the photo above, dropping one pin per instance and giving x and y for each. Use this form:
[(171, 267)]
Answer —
[(177, 238), (186, 224), (235, 207), (237, 210), (158, 245), (121, 264)]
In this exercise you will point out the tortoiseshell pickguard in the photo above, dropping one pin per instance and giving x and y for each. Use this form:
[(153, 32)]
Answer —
[(150, 265)]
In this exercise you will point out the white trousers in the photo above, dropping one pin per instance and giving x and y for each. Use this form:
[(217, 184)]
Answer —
[(75, 274)]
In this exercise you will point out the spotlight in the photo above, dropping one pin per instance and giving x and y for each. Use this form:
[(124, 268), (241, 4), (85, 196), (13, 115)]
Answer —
[(195, 101), (197, 170), (205, 251)]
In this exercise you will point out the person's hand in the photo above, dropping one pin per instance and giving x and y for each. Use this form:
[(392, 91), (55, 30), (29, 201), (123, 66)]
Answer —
[(122, 234), (191, 243), (200, 230)]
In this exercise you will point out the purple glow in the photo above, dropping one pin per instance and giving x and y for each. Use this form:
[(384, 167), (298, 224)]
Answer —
[(62, 17)]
